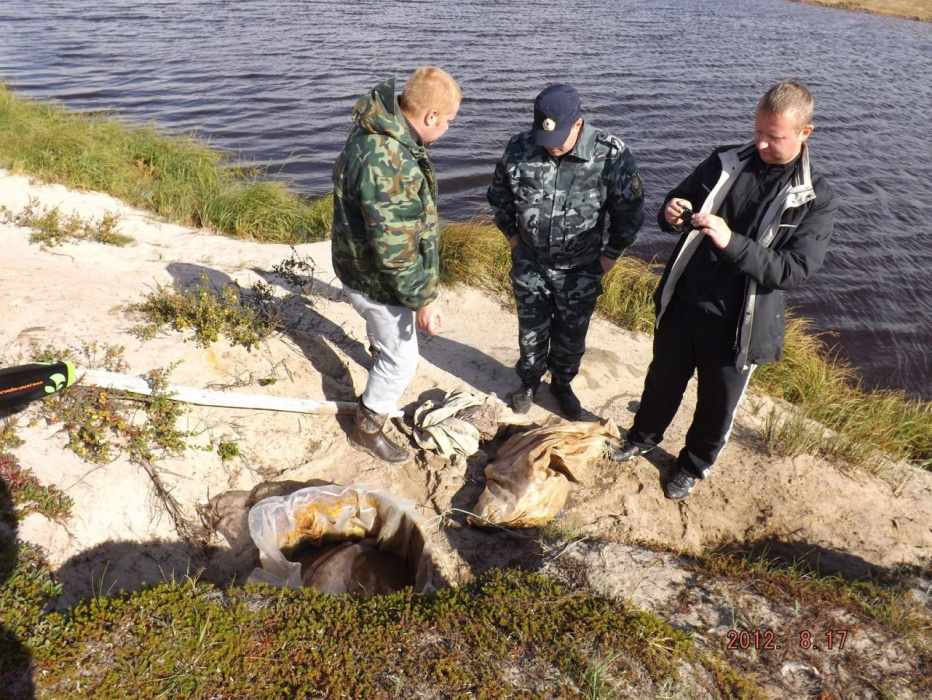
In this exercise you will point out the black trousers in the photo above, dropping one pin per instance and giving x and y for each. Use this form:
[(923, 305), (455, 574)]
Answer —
[(688, 341)]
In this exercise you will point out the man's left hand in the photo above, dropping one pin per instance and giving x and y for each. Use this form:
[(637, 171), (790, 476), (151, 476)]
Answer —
[(714, 227), (429, 318), (607, 264)]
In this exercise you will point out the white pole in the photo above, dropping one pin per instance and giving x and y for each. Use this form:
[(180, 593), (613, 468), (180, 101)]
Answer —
[(206, 397)]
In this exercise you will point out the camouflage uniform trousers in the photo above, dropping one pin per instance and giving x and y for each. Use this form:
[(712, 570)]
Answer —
[(554, 308)]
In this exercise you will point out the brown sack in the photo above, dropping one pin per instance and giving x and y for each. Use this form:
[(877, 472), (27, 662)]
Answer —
[(531, 476)]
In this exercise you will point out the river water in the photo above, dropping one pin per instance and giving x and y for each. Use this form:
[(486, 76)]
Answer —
[(274, 81)]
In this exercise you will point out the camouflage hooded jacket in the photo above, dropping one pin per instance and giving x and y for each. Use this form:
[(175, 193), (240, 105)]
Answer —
[(558, 205), (385, 227)]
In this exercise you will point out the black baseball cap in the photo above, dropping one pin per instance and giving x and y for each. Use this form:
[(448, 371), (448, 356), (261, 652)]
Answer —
[(556, 109)]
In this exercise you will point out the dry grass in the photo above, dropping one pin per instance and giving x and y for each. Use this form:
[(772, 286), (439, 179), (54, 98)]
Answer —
[(865, 428), (908, 9), (476, 253), (867, 424)]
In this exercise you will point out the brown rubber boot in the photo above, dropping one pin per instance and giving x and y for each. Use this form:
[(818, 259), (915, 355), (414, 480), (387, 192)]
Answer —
[(368, 435)]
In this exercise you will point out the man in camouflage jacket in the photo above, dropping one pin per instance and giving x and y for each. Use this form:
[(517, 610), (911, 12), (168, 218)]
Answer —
[(550, 195), (386, 236)]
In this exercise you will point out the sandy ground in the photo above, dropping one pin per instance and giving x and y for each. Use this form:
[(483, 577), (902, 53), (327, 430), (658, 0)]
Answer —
[(120, 535)]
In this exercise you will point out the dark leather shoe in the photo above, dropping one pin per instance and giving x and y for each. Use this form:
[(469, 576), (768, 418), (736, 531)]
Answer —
[(629, 451), (522, 399), (368, 435), (679, 486), (378, 445), (568, 401)]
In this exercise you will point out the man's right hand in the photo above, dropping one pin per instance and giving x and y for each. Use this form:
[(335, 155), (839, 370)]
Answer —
[(429, 318), (674, 211), (513, 241)]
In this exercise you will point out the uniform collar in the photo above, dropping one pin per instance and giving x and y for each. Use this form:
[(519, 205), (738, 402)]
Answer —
[(585, 142)]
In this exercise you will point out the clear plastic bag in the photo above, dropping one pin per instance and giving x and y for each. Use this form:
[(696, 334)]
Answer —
[(374, 522)]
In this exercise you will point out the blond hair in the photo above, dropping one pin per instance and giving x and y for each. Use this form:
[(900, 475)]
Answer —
[(430, 88), (786, 97)]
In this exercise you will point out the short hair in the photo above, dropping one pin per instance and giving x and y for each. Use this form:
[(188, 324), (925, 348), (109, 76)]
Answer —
[(429, 88), (788, 96)]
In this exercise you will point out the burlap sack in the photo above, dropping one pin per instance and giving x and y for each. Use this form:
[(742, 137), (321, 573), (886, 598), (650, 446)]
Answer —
[(532, 474)]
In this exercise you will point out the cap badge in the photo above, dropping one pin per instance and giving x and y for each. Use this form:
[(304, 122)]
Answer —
[(549, 124)]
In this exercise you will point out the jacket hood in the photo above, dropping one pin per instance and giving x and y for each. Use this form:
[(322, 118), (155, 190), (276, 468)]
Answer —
[(378, 112)]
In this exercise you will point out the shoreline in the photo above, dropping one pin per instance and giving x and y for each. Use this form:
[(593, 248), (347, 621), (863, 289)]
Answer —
[(915, 10), (191, 184)]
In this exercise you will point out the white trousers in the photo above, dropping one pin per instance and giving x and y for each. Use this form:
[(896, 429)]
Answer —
[(391, 329)]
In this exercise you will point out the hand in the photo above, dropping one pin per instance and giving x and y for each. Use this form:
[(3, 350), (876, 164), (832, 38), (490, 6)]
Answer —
[(429, 318), (674, 211), (607, 264), (714, 227), (514, 241)]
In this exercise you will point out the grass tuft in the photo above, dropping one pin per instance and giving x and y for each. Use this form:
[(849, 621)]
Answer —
[(180, 178), (867, 425)]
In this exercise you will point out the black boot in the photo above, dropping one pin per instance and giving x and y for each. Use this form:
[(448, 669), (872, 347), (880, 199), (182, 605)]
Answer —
[(368, 435), (569, 404)]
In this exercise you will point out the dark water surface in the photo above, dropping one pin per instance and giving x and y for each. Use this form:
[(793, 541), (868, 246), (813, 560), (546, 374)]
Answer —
[(275, 80)]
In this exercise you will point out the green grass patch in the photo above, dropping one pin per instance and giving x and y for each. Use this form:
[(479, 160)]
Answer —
[(876, 607), (180, 178), (884, 599)]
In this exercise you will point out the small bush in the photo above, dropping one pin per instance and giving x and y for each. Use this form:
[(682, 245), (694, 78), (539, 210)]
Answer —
[(245, 318), (52, 228), (29, 495), (100, 422), (228, 451)]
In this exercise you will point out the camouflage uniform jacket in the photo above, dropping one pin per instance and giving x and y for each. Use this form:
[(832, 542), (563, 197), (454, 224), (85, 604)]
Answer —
[(558, 205), (385, 228)]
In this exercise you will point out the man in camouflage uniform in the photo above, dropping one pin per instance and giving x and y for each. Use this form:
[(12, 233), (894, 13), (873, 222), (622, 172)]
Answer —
[(386, 233), (550, 195)]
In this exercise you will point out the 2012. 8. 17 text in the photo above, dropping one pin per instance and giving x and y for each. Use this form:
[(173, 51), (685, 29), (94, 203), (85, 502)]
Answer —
[(768, 640)]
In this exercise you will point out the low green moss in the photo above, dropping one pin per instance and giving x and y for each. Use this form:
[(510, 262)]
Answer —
[(191, 640)]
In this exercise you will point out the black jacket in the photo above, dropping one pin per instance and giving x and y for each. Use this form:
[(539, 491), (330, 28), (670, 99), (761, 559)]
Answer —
[(786, 250)]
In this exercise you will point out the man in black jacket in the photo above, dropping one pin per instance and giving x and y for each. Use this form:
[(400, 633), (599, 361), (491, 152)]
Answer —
[(755, 221)]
